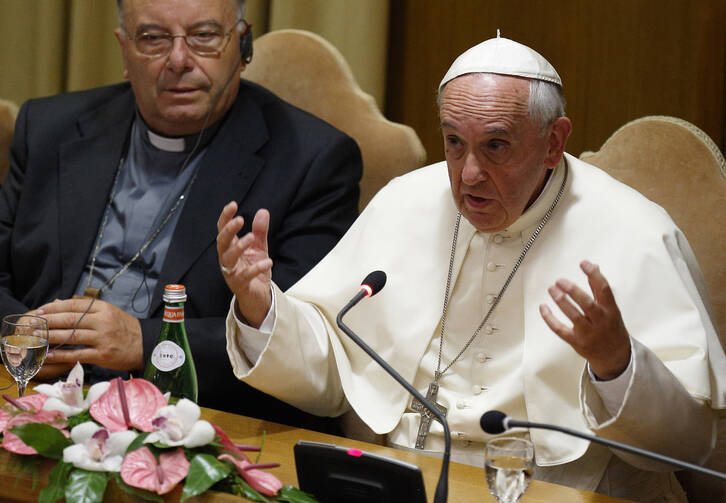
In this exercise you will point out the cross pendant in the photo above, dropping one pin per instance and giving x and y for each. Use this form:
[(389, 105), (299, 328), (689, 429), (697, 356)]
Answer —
[(426, 416)]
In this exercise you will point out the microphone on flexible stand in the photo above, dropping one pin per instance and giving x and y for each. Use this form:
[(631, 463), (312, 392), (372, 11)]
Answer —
[(370, 286), (495, 422)]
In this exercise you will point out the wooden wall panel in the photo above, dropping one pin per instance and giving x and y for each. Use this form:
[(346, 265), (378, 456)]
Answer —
[(619, 59)]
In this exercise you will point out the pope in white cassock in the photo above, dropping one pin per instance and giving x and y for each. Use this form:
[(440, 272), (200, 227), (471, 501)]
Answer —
[(476, 249)]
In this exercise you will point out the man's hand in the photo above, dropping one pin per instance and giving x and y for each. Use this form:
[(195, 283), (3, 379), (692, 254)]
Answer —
[(112, 337), (248, 262), (598, 333)]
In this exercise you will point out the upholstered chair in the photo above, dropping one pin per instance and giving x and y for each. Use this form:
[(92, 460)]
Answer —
[(309, 72), (675, 164), (8, 112)]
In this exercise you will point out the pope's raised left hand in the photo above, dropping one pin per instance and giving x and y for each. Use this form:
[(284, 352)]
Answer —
[(112, 337), (598, 332)]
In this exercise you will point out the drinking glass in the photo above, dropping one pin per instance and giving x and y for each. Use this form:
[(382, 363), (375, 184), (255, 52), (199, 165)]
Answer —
[(24, 346), (509, 467)]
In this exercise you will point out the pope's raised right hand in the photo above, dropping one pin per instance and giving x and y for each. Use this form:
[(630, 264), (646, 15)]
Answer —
[(248, 262)]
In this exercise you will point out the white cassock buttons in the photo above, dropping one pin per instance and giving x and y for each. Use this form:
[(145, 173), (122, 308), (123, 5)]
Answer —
[(477, 389), (461, 404), (491, 267), (481, 357), (490, 299), (498, 238)]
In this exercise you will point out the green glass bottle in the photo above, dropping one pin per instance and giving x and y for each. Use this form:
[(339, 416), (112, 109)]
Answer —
[(171, 366)]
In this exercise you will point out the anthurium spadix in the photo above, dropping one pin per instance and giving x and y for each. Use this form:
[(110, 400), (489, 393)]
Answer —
[(128, 404), (141, 469)]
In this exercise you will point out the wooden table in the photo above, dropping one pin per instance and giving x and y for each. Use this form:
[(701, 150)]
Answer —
[(466, 483)]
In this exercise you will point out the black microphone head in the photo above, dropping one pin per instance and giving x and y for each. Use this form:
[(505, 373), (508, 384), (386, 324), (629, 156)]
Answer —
[(375, 281), (492, 422)]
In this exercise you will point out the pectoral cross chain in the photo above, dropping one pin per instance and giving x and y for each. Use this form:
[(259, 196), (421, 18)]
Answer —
[(426, 416)]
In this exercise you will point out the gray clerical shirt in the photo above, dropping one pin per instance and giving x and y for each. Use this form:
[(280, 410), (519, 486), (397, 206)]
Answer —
[(152, 177)]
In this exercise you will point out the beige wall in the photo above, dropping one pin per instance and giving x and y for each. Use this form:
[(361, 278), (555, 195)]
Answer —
[(619, 59)]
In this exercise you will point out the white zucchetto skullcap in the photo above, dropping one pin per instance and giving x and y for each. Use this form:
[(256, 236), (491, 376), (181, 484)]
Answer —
[(505, 57)]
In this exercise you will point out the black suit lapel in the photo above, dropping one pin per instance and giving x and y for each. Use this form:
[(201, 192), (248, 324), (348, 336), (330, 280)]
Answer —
[(87, 167), (226, 173)]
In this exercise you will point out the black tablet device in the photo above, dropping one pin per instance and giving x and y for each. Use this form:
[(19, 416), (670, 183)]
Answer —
[(335, 474)]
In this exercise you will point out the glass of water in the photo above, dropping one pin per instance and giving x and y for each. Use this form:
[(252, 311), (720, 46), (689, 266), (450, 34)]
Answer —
[(24, 346), (509, 467)]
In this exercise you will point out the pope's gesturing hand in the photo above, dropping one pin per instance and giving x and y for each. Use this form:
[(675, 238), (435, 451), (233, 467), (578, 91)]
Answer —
[(245, 262), (598, 332)]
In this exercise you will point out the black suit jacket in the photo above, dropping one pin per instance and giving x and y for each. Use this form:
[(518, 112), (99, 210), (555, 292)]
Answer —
[(266, 154)]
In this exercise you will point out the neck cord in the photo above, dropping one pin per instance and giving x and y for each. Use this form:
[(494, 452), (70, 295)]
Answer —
[(439, 373), (148, 242)]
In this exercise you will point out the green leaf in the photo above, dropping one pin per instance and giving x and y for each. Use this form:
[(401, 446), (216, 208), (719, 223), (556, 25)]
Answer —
[(82, 417), (242, 488), (204, 472), (292, 494), (56, 488), (135, 491), (48, 441), (137, 443), (251, 494), (86, 487)]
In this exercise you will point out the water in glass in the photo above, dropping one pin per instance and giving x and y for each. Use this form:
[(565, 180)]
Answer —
[(23, 346), (509, 466)]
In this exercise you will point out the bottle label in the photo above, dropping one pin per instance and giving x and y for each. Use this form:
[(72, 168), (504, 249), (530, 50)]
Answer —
[(167, 356), (174, 314)]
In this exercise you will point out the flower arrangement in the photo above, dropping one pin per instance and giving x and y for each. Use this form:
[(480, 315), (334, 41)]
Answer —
[(125, 431)]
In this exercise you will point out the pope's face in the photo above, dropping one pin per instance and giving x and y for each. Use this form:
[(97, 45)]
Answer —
[(175, 91), (497, 157)]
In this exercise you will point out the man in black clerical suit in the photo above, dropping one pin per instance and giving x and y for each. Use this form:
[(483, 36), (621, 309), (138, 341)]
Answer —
[(96, 176)]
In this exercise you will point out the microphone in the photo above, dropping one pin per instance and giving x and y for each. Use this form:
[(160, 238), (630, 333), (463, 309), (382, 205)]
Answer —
[(495, 422), (371, 285)]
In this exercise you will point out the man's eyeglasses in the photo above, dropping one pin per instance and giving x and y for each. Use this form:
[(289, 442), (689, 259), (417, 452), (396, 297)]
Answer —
[(206, 41)]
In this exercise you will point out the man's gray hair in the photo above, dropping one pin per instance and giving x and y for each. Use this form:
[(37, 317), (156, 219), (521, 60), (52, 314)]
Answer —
[(546, 102), (120, 11)]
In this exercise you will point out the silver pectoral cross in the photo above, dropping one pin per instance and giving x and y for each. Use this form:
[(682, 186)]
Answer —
[(426, 416)]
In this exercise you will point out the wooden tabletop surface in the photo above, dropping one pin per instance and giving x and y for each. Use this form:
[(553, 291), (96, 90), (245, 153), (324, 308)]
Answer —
[(466, 483)]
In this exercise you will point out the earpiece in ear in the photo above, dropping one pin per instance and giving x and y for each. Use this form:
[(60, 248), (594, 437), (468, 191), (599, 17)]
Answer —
[(245, 43)]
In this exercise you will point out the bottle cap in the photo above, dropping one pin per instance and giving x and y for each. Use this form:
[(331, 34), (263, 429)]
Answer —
[(175, 293)]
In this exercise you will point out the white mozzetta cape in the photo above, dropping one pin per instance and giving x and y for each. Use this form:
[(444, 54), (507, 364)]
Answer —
[(406, 231)]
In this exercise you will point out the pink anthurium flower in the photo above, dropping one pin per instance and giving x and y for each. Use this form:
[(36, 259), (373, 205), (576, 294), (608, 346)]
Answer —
[(140, 469), (230, 447), (96, 449), (126, 404), (67, 396), (177, 425), (28, 403), (262, 482), (12, 442)]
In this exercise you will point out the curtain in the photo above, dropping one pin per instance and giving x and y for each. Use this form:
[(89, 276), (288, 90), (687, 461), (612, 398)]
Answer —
[(358, 28), (53, 46)]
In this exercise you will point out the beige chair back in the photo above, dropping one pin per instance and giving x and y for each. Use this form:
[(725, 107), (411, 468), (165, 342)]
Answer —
[(8, 113), (309, 72), (676, 165)]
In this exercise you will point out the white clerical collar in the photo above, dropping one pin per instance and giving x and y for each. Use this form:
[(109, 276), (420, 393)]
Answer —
[(533, 215), (165, 143)]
